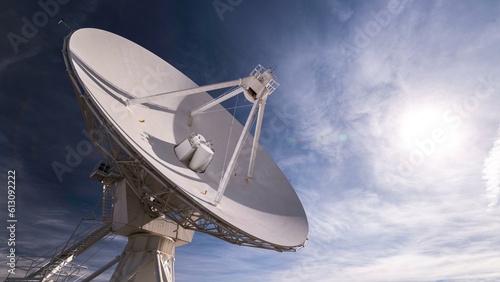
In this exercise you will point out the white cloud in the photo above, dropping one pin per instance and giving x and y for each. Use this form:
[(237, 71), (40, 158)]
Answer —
[(370, 221), (491, 173), (368, 237)]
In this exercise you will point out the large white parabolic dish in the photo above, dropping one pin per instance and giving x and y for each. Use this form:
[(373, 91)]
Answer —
[(112, 69)]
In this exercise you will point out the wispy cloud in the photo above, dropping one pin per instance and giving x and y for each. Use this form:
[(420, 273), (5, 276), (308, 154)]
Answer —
[(368, 221), (367, 237), (333, 128), (491, 173)]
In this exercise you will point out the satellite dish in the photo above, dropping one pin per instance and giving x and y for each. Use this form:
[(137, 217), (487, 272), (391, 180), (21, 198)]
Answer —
[(179, 151)]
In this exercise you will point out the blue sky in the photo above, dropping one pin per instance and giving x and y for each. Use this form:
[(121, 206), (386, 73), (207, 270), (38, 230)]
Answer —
[(386, 123)]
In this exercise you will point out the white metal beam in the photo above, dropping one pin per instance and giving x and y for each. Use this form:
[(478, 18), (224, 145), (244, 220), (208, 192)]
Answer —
[(219, 100), (230, 167), (185, 92), (256, 136)]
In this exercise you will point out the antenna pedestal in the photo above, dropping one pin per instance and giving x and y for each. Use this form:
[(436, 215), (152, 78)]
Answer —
[(146, 257), (149, 254), (130, 217)]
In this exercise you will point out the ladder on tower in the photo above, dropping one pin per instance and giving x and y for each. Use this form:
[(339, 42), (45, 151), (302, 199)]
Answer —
[(108, 200)]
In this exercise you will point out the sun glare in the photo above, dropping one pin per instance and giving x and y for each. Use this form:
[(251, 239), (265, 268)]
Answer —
[(419, 123), (429, 133)]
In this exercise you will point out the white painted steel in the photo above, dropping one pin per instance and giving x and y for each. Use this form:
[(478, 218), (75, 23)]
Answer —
[(219, 100), (184, 150), (255, 144), (182, 92), (202, 155), (113, 70), (146, 257), (234, 158)]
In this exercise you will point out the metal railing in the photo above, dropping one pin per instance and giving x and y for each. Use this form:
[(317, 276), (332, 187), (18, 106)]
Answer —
[(56, 264)]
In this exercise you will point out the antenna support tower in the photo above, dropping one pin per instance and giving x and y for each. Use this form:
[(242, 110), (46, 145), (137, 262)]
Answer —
[(162, 180)]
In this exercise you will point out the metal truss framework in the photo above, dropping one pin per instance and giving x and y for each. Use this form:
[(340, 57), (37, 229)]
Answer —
[(159, 195)]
